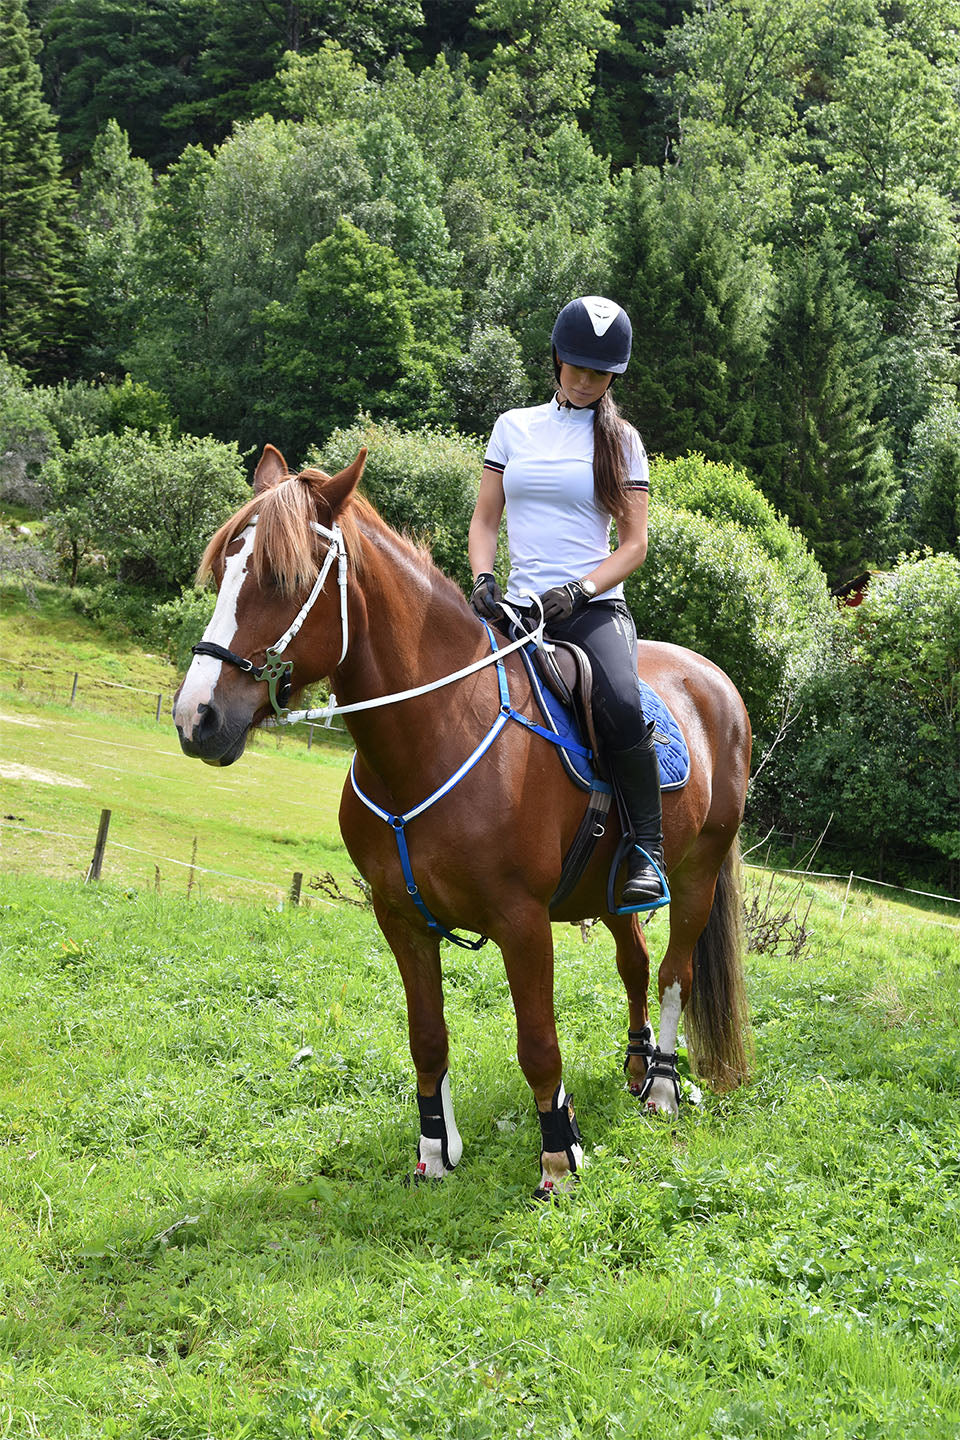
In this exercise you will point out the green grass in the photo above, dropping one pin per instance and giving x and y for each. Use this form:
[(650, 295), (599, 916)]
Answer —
[(204, 1238), (255, 823)]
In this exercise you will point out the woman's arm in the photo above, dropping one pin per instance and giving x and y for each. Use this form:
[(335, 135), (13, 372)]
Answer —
[(631, 548), (485, 525)]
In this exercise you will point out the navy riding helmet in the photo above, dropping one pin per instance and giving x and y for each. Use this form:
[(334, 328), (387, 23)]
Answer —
[(594, 333)]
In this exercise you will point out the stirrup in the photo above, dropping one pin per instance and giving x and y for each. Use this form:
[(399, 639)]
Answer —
[(661, 1067), (645, 905), (639, 1042)]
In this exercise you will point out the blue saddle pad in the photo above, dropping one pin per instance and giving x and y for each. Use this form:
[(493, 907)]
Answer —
[(672, 749)]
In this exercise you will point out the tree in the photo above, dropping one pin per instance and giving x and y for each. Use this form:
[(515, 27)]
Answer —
[(126, 60), (826, 465), (346, 341), (113, 206), (39, 302), (542, 70), (698, 294), (931, 495)]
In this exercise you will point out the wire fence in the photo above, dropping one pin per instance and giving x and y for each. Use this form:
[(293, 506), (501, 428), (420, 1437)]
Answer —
[(293, 887), (338, 734), (77, 681)]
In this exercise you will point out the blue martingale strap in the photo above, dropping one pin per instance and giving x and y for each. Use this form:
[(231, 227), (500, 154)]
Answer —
[(398, 823)]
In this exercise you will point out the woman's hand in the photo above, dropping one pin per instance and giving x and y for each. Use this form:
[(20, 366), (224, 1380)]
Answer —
[(486, 596), (562, 601)]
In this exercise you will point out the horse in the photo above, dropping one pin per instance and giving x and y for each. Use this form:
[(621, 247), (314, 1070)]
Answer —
[(486, 853)]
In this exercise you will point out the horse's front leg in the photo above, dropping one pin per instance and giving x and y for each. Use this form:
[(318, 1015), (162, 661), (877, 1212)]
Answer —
[(527, 946), (418, 959)]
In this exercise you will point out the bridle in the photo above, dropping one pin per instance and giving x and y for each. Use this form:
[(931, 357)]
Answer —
[(276, 671)]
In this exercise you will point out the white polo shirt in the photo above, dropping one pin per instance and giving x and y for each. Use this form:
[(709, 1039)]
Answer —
[(556, 531)]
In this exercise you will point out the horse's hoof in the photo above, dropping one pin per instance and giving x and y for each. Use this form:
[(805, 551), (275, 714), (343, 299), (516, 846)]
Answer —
[(420, 1177), (546, 1192)]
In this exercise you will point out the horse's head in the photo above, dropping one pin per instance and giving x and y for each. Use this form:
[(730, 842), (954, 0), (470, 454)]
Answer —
[(267, 560)]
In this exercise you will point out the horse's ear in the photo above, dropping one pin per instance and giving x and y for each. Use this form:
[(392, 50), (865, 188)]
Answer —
[(338, 489), (271, 469)]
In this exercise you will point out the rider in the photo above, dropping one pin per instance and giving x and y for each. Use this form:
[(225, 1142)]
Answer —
[(561, 471)]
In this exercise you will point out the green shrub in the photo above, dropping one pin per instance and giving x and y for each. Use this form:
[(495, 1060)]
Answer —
[(148, 505), (711, 585), (178, 624), (879, 749), (422, 481)]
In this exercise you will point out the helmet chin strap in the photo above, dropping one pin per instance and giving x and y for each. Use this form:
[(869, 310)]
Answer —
[(567, 404)]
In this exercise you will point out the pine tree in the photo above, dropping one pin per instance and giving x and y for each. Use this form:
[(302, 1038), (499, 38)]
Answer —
[(695, 290), (827, 466), (114, 205), (39, 302)]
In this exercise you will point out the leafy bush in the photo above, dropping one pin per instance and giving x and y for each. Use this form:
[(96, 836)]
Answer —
[(178, 624), (422, 481), (147, 505), (27, 438), (880, 752), (711, 585)]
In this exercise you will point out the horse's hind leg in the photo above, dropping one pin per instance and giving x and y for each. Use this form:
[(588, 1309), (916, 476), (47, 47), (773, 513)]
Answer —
[(697, 903), (633, 963), (418, 959)]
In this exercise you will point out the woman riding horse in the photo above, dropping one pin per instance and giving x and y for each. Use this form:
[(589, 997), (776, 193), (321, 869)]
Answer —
[(455, 815), (562, 471)]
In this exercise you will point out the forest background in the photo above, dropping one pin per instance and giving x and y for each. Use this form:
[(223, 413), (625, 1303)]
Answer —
[(353, 221)]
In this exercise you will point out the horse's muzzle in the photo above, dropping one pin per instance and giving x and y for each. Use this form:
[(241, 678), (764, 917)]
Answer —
[(208, 735)]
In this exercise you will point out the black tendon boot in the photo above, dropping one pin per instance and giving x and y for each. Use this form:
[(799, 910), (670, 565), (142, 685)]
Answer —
[(636, 773)]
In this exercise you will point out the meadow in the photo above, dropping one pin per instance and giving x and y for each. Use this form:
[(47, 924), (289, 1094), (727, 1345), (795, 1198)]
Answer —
[(208, 1114)]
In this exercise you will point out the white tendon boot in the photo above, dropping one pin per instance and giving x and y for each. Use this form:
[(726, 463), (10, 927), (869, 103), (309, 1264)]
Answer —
[(440, 1145)]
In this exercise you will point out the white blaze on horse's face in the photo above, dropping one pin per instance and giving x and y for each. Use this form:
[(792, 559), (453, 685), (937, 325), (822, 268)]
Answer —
[(203, 676)]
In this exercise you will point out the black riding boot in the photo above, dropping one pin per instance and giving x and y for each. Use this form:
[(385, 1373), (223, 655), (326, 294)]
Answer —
[(636, 773)]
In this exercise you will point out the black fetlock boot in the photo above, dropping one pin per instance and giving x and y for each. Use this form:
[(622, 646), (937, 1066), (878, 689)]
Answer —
[(636, 773)]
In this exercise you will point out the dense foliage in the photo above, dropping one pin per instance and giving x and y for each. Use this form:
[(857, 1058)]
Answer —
[(261, 222)]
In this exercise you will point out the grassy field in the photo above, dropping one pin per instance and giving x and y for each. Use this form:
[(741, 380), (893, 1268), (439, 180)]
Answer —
[(255, 824), (206, 1113), (205, 1236)]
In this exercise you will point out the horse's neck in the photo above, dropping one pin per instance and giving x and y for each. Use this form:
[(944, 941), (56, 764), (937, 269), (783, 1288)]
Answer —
[(411, 627)]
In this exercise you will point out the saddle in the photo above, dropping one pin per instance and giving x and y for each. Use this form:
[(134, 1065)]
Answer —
[(566, 672)]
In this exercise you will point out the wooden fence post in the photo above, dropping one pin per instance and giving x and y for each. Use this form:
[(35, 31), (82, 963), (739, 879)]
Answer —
[(159, 703), (95, 864), (193, 861), (295, 887), (73, 692)]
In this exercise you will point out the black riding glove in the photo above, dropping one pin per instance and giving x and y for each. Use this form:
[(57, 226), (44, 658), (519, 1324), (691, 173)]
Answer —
[(563, 601), (486, 596)]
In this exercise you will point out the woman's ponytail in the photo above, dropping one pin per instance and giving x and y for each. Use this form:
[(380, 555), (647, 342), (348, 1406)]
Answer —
[(610, 468)]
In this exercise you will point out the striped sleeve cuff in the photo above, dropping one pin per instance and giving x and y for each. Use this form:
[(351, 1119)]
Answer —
[(489, 464)]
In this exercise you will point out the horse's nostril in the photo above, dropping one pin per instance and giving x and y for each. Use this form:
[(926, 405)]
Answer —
[(208, 722)]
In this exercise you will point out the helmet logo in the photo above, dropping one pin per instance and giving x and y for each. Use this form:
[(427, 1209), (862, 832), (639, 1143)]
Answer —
[(602, 312)]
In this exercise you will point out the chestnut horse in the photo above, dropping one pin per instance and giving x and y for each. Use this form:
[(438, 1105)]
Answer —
[(488, 854)]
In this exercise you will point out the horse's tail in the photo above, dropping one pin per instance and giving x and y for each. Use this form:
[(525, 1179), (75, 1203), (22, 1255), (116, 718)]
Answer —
[(716, 1020)]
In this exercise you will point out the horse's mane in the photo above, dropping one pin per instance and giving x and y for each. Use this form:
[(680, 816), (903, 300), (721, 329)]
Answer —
[(289, 552)]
